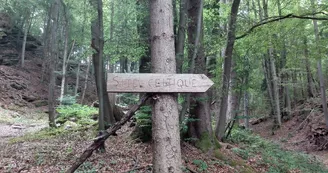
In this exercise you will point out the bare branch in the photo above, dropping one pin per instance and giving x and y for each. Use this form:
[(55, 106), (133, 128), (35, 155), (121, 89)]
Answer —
[(277, 18)]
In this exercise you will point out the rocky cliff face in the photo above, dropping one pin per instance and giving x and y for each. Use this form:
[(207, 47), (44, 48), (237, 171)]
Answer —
[(11, 43)]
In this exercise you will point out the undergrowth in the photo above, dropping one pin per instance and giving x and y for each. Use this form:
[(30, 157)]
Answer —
[(277, 159), (81, 114)]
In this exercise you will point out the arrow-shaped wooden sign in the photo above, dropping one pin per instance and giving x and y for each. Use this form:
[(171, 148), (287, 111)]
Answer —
[(157, 83)]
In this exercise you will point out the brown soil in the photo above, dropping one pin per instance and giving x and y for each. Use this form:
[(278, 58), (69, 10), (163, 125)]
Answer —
[(122, 155)]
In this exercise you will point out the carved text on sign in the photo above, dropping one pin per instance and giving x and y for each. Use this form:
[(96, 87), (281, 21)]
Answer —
[(121, 82)]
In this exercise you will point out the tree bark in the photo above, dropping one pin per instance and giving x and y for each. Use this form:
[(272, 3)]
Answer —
[(86, 80), (62, 88), (319, 66), (77, 82), (181, 34), (221, 123), (27, 26), (53, 60), (310, 89), (200, 129), (165, 118), (275, 87)]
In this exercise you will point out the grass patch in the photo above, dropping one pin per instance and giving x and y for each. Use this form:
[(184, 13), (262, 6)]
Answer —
[(49, 133), (277, 159)]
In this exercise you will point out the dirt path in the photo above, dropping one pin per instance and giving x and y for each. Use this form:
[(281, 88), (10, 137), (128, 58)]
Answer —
[(13, 124)]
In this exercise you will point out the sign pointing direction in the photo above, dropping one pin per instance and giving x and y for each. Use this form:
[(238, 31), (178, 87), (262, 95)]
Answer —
[(157, 83)]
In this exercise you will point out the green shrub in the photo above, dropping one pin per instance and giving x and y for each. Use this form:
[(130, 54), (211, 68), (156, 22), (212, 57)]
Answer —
[(143, 123), (81, 114), (202, 166), (68, 100)]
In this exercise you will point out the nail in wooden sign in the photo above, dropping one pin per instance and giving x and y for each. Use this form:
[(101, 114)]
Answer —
[(157, 83)]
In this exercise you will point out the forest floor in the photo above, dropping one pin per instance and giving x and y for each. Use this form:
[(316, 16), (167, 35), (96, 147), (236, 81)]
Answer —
[(47, 151), (305, 132)]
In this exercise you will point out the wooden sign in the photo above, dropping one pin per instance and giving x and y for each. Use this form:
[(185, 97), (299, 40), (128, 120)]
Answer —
[(157, 83)]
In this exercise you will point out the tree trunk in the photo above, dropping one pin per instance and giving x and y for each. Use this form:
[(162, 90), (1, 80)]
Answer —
[(221, 123), (77, 82), (232, 95), (143, 31), (310, 89), (181, 34), (275, 87), (195, 13), (97, 43), (62, 88), (319, 66), (27, 24), (165, 118), (53, 60), (86, 80), (246, 110), (200, 109)]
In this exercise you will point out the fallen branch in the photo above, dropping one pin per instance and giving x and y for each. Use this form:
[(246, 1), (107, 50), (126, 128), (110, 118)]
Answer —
[(300, 127), (101, 139)]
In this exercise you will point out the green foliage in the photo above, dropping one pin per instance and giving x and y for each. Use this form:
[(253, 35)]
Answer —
[(202, 166), (68, 100), (128, 98), (272, 155), (143, 121), (81, 114)]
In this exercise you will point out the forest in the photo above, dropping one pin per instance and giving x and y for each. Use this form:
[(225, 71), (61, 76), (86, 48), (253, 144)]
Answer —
[(164, 86)]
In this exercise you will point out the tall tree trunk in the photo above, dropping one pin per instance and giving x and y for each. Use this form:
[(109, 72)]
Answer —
[(319, 66), (27, 26), (97, 43), (221, 123), (267, 75), (165, 118), (310, 89), (77, 82), (86, 80), (275, 87), (181, 34), (62, 88), (246, 110), (144, 34), (232, 95), (195, 12), (53, 60), (200, 129)]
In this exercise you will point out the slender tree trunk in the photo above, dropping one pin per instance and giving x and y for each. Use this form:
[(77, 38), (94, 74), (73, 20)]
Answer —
[(86, 80), (246, 110), (275, 87), (165, 118), (77, 82), (221, 123), (27, 24), (200, 129), (181, 34), (288, 102), (53, 59), (62, 88), (195, 13), (319, 66), (105, 118), (232, 95), (310, 89)]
